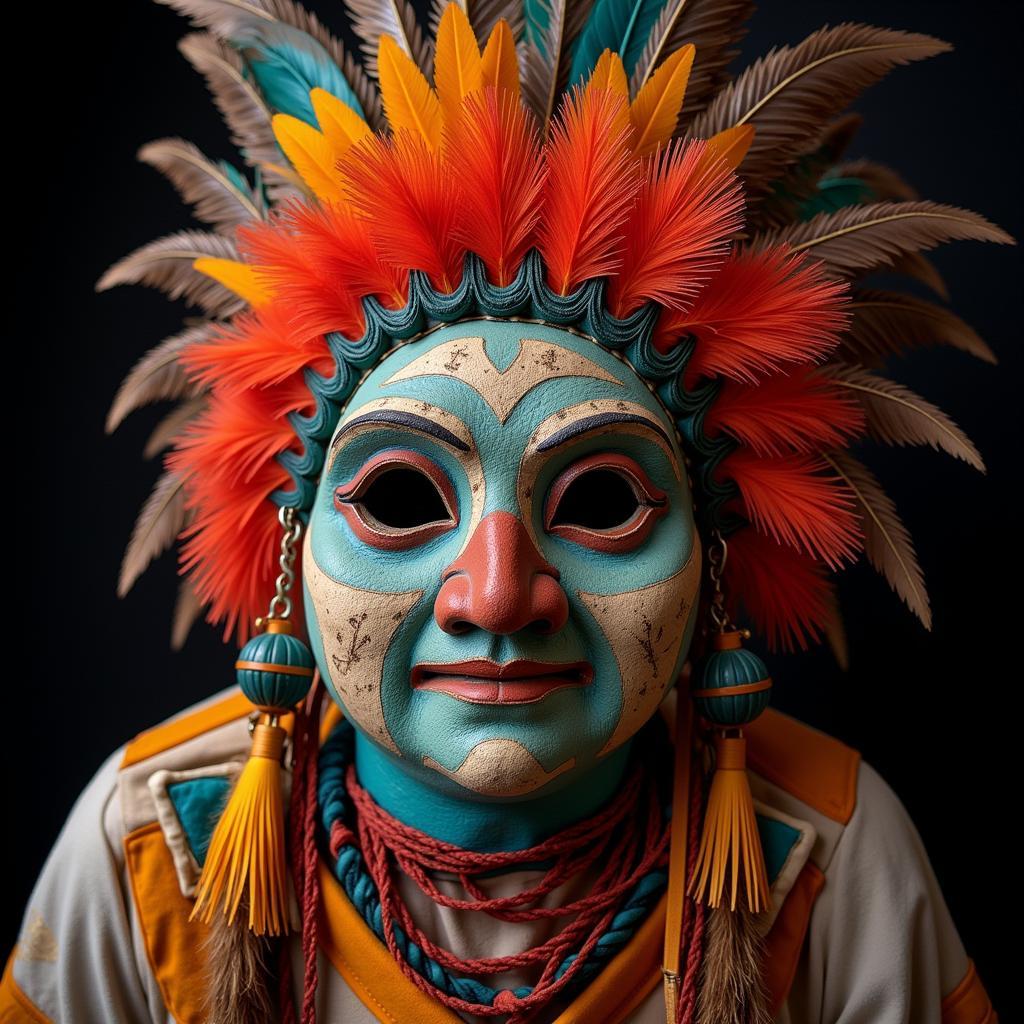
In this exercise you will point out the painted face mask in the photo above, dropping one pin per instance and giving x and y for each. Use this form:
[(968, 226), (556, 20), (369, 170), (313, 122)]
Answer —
[(501, 564)]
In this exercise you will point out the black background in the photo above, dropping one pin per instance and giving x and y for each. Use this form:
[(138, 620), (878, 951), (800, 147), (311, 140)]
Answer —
[(935, 713)]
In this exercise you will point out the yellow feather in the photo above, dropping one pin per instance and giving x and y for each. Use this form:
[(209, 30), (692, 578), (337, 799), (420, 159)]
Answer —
[(499, 65), (655, 111), (732, 144), (239, 278), (311, 154), (457, 65), (409, 102), (341, 125), (610, 73)]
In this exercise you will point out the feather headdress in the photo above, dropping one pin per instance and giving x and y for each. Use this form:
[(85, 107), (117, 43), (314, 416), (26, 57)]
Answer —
[(522, 156)]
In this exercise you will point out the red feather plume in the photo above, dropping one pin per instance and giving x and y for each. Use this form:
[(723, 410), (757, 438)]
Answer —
[(256, 350), (798, 412), (678, 232), (761, 311), (785, 593), (796, 501), (407, 197), (493, 154), (591, 184)]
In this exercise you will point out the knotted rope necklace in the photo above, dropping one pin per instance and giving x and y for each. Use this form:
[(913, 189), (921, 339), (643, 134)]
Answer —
[(626, 843)]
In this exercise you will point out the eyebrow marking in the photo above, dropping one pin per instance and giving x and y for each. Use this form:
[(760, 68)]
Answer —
[(601, 419), (399, 418)]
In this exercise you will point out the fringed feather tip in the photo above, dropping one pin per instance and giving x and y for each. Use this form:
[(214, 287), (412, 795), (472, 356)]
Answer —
[(618, 151)]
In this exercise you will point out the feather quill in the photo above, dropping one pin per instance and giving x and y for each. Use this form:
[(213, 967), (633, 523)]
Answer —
[(678, 232), (858, 239), (897, 416), (167, 264), (590, 188), (158, 524), (552, 28), (887, 542), (714, 27), (158, 376), (655, 111), (409, 102), (458, 69), (891, 323), (792, 92), (500, 177), (499, 65), (374, 19)]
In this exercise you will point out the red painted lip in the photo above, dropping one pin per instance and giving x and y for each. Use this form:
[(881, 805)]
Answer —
[(515, 682)]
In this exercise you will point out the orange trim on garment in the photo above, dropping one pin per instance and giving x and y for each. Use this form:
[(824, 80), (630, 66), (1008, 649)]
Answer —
[(173, 943), (813, 767), (188, 727), (968, 1003), (15, 1006), (785, 940)]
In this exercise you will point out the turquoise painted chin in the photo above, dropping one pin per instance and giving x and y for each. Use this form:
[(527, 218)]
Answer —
[(501, 564)]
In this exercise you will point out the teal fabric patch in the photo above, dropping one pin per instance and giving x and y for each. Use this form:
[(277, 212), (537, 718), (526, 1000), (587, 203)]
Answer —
[(777, 839), (198, 803)]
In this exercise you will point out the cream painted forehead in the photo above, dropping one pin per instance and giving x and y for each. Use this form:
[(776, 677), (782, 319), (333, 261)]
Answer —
[(466, 359)]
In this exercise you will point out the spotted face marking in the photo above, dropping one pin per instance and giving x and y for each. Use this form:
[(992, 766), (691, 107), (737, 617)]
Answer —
[(467, 360)]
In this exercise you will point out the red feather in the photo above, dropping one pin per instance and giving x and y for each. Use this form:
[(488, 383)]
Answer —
[(759, 312), (591, 184), (493, 154), (796, 501), (678, 232), (785, 593), (228, 460), (799, 412), (256, 350), (407, 196)]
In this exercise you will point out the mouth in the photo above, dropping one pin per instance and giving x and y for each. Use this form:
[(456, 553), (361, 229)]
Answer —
[(515, 682)]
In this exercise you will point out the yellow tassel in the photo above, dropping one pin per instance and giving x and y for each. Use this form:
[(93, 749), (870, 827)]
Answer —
[(730, 847), (246, 852)]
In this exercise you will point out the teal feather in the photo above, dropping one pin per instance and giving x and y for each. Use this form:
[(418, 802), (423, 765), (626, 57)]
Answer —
[(538, 15), (622, 26), (286, 64), (833, 194)]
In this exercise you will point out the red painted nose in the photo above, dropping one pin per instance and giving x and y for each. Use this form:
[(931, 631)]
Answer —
[(501, 583)]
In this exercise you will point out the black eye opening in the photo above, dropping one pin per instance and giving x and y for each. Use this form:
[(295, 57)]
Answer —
[(599, 499), (403, 498)]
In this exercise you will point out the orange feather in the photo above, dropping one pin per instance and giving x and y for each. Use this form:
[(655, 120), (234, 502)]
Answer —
[(457, 66), (759, 312), (678, 232), (590, 187), (408, 198), (409, 102), (610, 73), (654, 113), (499, 64), (796, 501), (798, 412), (493, 153), (311, 154), (732, 144), (785, 593)]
